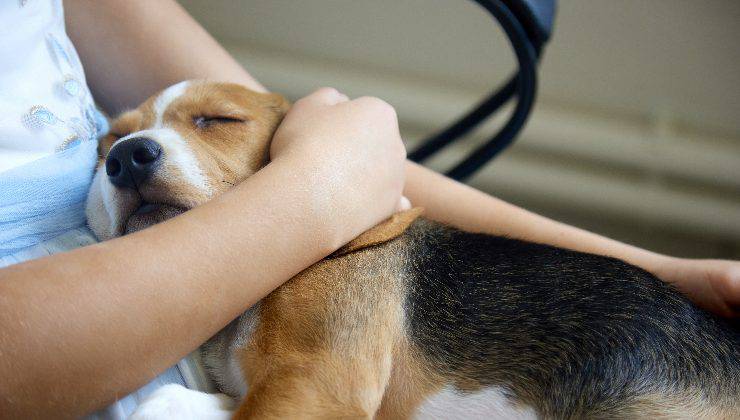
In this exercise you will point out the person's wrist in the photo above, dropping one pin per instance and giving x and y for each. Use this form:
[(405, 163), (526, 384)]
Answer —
[(657, 264), (663, 266)]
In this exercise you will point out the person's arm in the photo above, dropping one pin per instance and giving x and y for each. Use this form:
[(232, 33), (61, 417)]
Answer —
[(713, 284), (79, 328), (465, 207), (167, 37), (134, 48)]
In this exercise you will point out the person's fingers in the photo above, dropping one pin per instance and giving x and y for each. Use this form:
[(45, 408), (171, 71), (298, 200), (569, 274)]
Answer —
[(379, 106), (324, 96), (342, 96), (403, 204)]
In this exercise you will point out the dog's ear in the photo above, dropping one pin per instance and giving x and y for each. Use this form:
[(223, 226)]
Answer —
[(384, 232)]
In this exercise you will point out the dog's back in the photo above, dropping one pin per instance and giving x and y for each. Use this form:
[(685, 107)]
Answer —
[(572, 335)]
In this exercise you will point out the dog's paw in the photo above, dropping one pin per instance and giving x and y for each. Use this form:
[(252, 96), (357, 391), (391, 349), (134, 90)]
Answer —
[(177, 402)]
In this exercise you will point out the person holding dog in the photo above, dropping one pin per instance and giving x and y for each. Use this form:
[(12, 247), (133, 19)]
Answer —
[(79, 329)]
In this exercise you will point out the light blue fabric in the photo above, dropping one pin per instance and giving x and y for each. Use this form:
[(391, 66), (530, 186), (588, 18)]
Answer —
[(45, 198)]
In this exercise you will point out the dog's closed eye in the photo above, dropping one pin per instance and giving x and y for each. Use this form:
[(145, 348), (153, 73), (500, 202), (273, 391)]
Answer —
[(203, 121)]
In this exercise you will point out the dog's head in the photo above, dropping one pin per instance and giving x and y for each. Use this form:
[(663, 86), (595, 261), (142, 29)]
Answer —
[(180, 148)]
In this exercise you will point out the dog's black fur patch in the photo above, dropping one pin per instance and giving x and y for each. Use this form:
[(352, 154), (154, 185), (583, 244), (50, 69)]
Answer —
[(568, 333)]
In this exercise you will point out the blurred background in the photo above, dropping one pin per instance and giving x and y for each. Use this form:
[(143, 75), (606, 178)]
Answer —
[(636, 132)]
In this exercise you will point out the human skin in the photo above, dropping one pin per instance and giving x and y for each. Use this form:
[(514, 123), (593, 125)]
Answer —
[(109, 317)]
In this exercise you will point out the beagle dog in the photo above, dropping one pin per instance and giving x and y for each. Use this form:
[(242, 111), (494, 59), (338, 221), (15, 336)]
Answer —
[(412, 318)]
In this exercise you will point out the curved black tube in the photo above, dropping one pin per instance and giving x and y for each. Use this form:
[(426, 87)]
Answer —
[(462, 126), (524, 85)]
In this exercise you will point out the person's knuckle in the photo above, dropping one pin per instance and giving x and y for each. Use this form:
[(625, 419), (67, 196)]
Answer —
[(380, 106), (326, 91), (387, 109)]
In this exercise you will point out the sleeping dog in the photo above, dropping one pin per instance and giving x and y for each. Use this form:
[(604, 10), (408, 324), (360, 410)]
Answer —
[(412, 318)]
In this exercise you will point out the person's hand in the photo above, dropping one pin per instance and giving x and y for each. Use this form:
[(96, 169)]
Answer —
[(712, 284), (356, 143)]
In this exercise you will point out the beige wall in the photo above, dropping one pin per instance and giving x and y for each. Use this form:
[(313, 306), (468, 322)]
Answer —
[(635, 134)]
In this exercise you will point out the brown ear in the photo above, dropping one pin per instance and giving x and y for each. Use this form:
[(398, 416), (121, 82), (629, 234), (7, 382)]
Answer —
[(384, 232)]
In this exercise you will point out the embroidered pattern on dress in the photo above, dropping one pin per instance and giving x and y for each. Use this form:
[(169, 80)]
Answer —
[(38, 116), (72, 86), (87, 128), (58, 49), (70, 141)]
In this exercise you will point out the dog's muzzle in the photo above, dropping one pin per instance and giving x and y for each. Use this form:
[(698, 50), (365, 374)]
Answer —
[(133, 161)]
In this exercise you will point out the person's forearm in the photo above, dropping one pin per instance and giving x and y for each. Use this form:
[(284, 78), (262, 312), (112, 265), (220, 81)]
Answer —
[(129, 55), (81, 328), (466, 208)]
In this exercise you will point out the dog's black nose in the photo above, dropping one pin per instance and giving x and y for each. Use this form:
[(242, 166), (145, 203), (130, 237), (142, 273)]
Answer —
[(132, 161)]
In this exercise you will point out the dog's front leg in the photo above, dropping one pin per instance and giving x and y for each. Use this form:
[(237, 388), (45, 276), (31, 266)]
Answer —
[(325, 340), (316, 388)]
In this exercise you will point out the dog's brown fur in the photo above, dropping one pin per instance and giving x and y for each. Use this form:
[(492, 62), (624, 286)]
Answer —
[(331, 339)]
